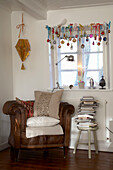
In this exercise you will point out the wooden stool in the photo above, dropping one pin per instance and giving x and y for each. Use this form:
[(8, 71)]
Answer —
[(89, 139)]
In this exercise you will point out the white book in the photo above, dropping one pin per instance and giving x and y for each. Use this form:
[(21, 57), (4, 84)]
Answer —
[(86, 116), (87, 124)]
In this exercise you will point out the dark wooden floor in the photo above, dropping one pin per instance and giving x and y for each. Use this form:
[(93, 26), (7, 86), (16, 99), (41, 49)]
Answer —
[(53, 160)]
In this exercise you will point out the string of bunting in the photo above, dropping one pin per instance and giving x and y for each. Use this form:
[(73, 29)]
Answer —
[(74, 33)]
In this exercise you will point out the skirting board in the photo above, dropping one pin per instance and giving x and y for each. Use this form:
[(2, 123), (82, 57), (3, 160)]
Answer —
[(3, 146), (105, 146)]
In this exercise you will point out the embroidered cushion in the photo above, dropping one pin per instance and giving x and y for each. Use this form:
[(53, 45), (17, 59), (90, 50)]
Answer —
[(28, 105), (47, 103), (42, 121)]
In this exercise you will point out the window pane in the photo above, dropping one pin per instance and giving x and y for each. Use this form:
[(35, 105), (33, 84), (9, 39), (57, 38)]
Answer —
[(68, 78), (89, 47), (96, 75), (93, 61), (64, 48), (68, 64)]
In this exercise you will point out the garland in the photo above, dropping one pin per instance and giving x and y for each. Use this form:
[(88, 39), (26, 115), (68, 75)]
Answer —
[(75, 33)]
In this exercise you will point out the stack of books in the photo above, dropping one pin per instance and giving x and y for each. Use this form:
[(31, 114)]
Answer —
[(86, 112)]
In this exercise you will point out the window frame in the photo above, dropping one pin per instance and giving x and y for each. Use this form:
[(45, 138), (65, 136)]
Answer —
[(55, 69)]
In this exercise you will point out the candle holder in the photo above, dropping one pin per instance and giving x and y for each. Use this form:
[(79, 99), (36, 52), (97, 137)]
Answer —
[(81, 85)]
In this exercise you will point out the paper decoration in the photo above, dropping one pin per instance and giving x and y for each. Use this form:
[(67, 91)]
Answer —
[(23, 48), (74, 33)]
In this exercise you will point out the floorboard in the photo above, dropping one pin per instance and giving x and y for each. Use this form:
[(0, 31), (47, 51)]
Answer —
[(53, 160)]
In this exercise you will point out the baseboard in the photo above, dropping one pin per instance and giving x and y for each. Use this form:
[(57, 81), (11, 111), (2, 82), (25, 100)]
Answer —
[(105, 146), (3, 146)]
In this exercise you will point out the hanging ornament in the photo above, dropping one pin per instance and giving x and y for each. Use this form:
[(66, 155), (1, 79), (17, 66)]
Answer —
[(59, 46), (91, 35), (70, 29), (81, 28), (102, 33), (109, 31), (93, 43), (109, 27), (95, 37), (104, 39), (56, 32), (64, 37), (54, 42), (87, 39), (84, 33), (58, 35), (99, 25), (52, 47), (48, 40), (74, 40), (98, 43), (22, 46), (76, 36), (70, 38), (68, 44), (100, 38), (79, 39), (49, 31), (52, 33), (62, 32), (82, 46), (81, 36), (62, 42), (71, 47)]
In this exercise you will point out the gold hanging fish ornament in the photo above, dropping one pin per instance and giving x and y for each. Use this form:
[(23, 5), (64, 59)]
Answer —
[(23, 48)]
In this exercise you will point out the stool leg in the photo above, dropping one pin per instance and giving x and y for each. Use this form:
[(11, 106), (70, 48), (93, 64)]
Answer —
[(89, 144), (77, 142), (95, 141)]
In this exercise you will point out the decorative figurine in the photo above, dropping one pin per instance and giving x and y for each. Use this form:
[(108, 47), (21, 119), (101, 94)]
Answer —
[(71, 86), (91, 84), (102, 83)]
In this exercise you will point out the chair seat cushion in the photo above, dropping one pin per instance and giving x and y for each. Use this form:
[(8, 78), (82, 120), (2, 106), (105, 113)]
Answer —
[(39, 131), (41, 121)]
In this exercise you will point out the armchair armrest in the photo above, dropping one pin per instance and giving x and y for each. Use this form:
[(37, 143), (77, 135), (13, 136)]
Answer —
[(65, 112), (18, 117)]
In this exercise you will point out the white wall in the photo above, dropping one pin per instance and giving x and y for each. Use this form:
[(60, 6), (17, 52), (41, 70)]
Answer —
[(36, 75), (85, 16), (6, 73)]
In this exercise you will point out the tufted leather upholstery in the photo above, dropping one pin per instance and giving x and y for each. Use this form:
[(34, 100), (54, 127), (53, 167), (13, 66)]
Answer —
[(17, 138)]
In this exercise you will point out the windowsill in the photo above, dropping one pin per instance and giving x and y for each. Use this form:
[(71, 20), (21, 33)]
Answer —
[(87, 89)]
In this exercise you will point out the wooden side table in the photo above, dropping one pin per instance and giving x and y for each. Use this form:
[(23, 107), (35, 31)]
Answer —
[(89, 130)]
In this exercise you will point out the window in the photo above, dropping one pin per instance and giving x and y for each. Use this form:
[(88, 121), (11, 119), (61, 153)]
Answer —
[(90, 58), (91, 55)]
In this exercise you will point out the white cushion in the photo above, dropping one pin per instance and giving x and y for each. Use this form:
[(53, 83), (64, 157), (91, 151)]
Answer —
[(40, 131), (42, 121)]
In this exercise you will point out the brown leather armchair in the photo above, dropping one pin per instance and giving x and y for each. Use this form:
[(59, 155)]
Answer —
[(17, 138)]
